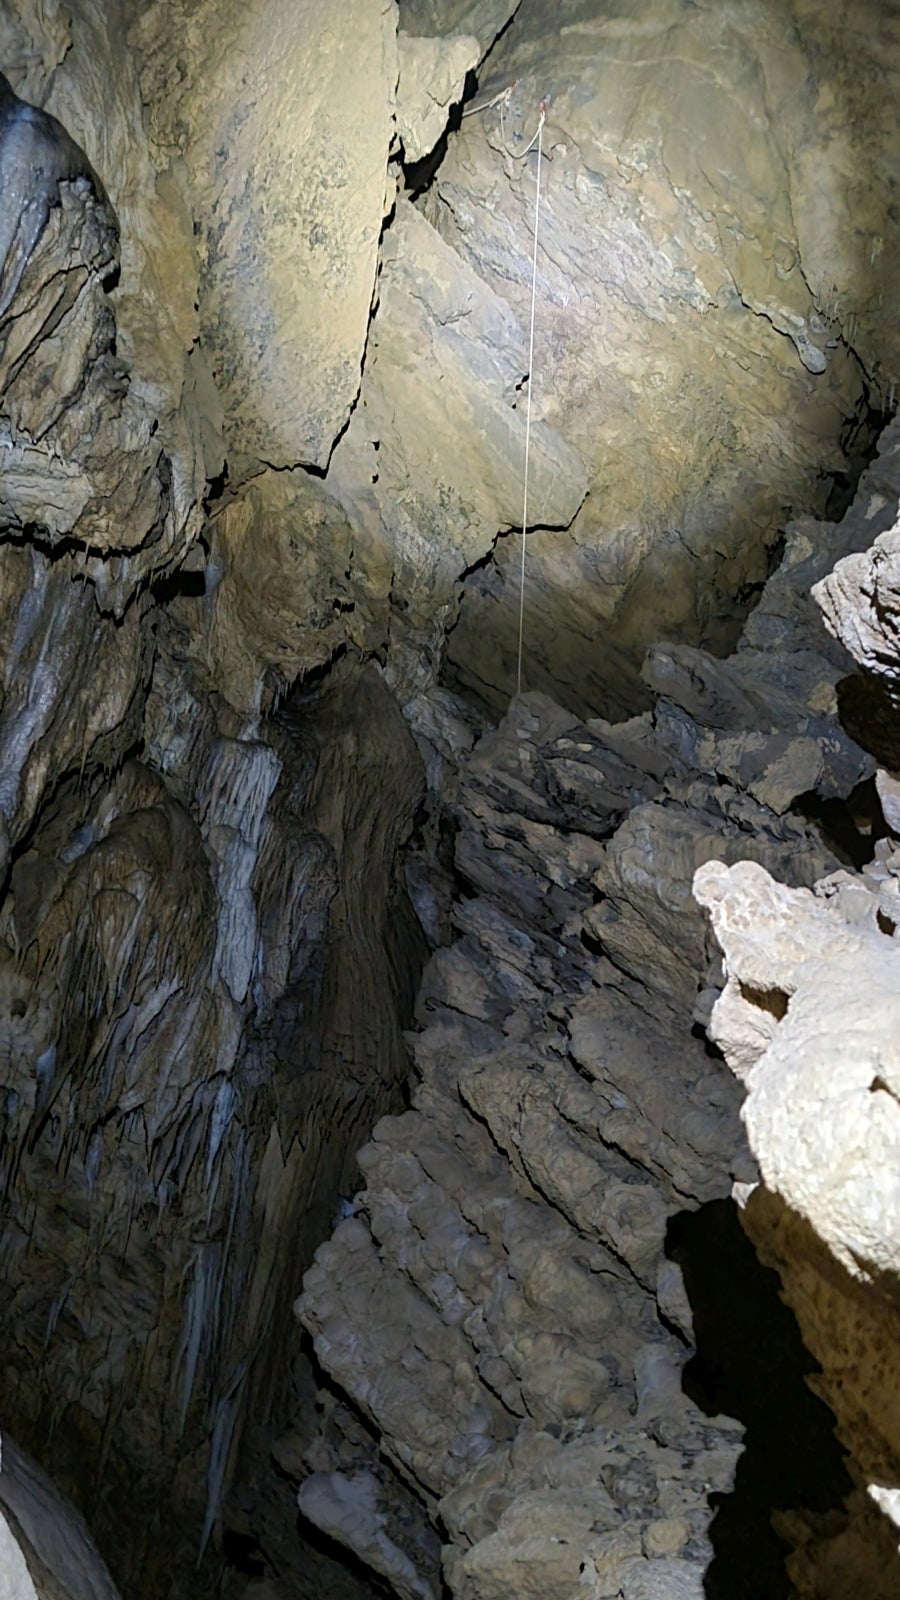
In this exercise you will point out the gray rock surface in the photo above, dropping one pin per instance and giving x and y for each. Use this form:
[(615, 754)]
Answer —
[(499, 1307), (261, 423), (46, 1550)]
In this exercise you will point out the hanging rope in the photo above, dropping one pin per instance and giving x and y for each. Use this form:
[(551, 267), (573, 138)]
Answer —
[(537, 223), (502, 101)]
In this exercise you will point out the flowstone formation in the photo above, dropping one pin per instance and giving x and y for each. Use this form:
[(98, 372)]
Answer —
[(206, 952), (807, 1021), (263, 359)]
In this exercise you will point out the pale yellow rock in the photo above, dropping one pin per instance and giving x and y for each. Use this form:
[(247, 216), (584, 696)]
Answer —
[(696, 159), (432, 76), (666, 1537), (283, 117)]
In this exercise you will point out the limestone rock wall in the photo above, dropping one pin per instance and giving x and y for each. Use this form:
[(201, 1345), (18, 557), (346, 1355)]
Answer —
[(806, 1020), (502, 1310), (192, 886), (277, 290), (261, 421), (709, 265)]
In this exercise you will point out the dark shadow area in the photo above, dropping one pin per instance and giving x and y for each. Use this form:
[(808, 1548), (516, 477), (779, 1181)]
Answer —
[(861, 431), (185, 583), (850, 828), (418, 176), (871, 716), (751, 1363)]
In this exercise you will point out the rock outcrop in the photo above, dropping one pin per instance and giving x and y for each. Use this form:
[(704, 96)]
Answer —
[(501, 1309), (261, 430), (46, 1551), (806, 1019), (708, 266), (361, 349)]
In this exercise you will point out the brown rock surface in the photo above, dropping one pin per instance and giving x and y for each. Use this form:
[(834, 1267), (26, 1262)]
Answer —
[(282, 117), (261, 421), (708, 243)]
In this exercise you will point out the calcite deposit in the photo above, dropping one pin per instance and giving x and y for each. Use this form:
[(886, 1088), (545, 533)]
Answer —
[(271, 832), (806, 1019)]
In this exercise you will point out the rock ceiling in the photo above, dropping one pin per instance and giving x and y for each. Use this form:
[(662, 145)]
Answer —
[(264, 304)]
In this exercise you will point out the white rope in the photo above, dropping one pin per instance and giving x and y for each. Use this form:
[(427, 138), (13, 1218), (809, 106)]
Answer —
[(537, 217), (501, 99)]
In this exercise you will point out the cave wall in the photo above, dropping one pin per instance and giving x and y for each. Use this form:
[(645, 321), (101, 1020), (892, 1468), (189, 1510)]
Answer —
[(541, 1360), (714, 334), (714, 308), (261, 432), (192, 887)]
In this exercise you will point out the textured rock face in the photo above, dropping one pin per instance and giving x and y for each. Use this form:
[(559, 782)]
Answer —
[(261, 413), (205, 952), (806, 1019), (726, 287), (490, 1306), (177, 977), (282, 117), (705, 270), (501, 1307), (859, 601)]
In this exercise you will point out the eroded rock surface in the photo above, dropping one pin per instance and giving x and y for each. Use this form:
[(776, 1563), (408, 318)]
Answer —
[(502, 1294), (500, 1308), (707, 244), (261, 419), (806, 1019)]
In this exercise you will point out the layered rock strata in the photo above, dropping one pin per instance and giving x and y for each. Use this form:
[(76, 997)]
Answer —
[(500, 1312), (806, 1020), (192, 886)]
